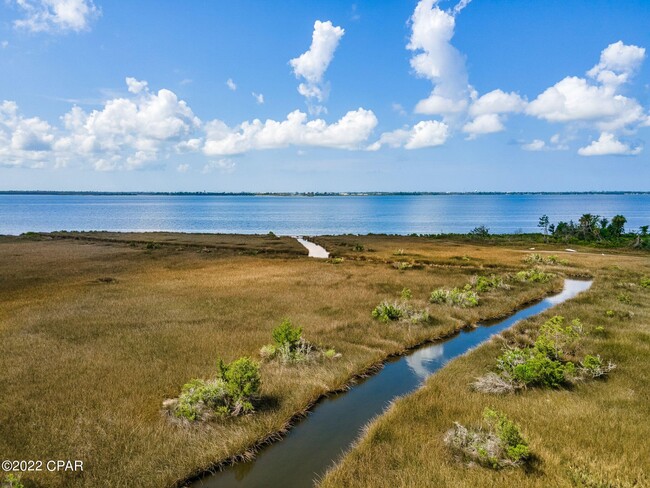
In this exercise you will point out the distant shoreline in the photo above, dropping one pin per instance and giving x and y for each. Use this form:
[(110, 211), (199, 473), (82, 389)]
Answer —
[(312, 194)]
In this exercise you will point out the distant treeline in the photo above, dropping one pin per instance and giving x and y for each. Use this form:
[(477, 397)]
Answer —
[(590, 229)]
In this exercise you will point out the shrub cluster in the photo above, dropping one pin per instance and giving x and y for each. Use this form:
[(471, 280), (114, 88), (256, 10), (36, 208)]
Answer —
[(645, 282), (486, 283), (290, 347), (534, 276), (459, 297), (499, 444), (11, 481), (231, 393), (536, 258), (546, 363), (391, 312)]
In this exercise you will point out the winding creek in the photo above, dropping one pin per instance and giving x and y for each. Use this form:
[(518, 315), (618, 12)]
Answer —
[(332, 426), (315, 251)]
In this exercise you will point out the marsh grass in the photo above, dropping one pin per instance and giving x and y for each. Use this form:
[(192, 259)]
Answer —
[(87, 362), (591, 434)]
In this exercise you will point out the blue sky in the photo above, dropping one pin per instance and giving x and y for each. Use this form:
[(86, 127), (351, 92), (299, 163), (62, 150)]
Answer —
[(496, 95)]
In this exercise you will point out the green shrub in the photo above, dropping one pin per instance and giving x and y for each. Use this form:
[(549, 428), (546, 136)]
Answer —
[(460, 297), (358, 248), (534, 258), (594, 367), (557, 339), (530, 367), (286, 333), (200, 399), (301, 352), (438, 296), (11, 480), (231, 393), (624, 298), (509, 434), (486, 283), (534, 276), (406, 294), (386, 312), (242, 383), (500, 445), (645, 282), (330, 354)]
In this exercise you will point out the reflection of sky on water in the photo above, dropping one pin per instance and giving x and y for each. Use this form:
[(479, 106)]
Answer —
[(425, 361), (571, 289)]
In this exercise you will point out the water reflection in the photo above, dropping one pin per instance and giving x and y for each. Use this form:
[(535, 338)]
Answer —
[(423, 362), (335, 423)]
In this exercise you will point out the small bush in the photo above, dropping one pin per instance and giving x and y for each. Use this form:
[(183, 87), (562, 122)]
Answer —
[(486, 283), (530, 367), (534, 276), (624, 298), (593, 367), (500, 445), (300, 352), (534, 258), (331, 354), (460, 297), (12, 481), (438, 296), (386, 312), (389, 312), (242, 383), (557, 339), (200, 400), (231, 393), (645, 282), (406, 294), (358, 248), (268, 351), (286, 333)]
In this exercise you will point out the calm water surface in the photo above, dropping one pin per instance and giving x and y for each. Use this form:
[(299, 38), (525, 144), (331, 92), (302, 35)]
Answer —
[(334, 424), (398, 214)]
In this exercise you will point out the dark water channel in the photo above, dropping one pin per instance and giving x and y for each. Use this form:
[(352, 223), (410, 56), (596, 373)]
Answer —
[(318, 441)]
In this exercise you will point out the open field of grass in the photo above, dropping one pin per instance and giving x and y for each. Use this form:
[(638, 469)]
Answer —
[(96, 334), (594, 434)]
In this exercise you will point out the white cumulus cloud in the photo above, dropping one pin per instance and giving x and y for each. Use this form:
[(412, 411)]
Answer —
[(428, 133), (231, 84), (259, 98), (350, 132), (312, 64), (484, 124), (23, 141), (129, 132), (598, 103), (437, 60), (56, 15), (608, 144)]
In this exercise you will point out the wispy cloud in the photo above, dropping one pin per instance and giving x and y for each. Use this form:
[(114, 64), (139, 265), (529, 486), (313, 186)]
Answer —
[(56, 15)]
